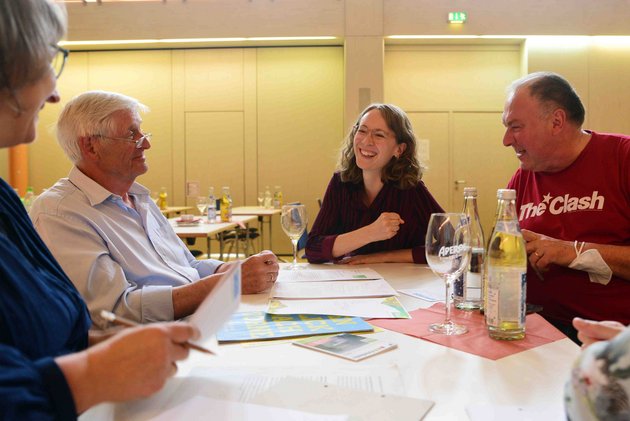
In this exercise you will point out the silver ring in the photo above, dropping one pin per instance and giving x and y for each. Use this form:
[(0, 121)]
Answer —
[(270, 277)]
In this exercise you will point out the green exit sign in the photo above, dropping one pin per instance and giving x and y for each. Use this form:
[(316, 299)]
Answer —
[(457, 17)]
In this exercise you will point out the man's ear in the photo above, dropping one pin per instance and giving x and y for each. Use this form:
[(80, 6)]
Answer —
[(558, 120), (88, 147)]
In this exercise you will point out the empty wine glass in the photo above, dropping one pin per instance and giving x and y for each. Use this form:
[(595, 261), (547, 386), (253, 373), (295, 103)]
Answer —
[(294, 220), (202, 205), (261, 198), (447, 248)]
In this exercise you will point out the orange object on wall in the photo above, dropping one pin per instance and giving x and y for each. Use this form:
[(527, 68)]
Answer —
[(18, 168)]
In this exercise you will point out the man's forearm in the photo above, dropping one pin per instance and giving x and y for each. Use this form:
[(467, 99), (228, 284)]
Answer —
[(616, 257), (186, 298)]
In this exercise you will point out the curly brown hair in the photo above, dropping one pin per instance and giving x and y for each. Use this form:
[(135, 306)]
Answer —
[(405, 171)]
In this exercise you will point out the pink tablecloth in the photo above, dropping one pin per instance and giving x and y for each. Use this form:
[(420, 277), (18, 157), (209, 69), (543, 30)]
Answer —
[(476, 341)]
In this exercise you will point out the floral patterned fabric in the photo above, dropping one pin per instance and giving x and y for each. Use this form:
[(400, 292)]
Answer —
[(600, 382)]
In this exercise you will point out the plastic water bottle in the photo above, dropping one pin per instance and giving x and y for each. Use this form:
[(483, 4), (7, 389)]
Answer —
[(268, 202), (468, 287), (507, 269), (226, 205), (277, 197), (212, 206), (29, 196), (162, 199)]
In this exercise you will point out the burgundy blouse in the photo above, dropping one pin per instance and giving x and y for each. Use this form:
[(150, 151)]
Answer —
[(343, 211)]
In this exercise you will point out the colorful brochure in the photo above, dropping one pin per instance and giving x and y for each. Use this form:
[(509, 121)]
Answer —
[(257, 325), (346, 345), (381, 308)]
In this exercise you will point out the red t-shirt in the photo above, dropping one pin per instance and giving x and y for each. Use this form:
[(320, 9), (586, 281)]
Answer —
[(588, 201)]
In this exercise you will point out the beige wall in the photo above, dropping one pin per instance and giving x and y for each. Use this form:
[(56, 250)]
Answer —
[(232, 18), (192, 92), (454, 96), (243, 118)]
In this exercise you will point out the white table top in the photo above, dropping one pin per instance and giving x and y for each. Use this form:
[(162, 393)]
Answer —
[(175, 209), (417, 368), (204, 229), (255, 210)]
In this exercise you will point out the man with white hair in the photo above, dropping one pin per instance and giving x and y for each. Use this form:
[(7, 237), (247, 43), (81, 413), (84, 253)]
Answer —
[(107, 233)]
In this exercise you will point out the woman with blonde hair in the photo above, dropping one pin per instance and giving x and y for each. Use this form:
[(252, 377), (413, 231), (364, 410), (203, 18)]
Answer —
[(376, 208), (46, 369)]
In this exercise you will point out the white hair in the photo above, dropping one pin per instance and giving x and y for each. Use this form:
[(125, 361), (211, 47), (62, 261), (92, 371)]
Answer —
[(90, 114), (28, 30)]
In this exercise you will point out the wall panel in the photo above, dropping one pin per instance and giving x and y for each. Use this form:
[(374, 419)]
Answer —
[(454, 95), (145, 75), (300, 114)]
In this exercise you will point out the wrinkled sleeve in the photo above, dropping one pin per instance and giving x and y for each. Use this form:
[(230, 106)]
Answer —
[(101, 280), (321, 237), (205, 267), (33, 390)]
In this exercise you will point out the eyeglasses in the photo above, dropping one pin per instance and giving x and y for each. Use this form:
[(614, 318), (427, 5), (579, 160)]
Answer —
[(59, 60), (377, 134), (138, 142)]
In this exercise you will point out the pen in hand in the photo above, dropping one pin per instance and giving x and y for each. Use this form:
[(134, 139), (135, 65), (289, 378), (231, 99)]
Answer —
[(538, 273), (111, 317)]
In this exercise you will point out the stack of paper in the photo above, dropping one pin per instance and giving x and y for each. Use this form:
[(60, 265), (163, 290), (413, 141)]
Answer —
[(341, 292)]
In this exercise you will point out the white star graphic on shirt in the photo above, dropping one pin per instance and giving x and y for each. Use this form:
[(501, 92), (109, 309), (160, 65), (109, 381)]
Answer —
[(547, 198)]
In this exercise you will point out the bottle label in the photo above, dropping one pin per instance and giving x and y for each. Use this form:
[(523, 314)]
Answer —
[(506, 297), (491, 309), (467, 288)]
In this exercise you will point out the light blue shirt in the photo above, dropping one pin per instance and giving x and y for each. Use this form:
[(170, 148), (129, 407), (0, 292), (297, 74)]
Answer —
[(121, 259)]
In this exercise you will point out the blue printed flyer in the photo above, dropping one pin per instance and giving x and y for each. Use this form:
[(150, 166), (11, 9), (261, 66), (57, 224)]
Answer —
[(258, 325)]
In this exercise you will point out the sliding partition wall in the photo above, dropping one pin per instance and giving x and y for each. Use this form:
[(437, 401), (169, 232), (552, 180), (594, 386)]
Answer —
[(454, 96), (238, 117)]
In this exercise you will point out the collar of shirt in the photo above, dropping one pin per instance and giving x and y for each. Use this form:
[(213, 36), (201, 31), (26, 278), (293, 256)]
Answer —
[(96, 193)]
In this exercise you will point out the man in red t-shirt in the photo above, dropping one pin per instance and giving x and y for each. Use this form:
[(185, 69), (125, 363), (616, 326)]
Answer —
[(573, 202)]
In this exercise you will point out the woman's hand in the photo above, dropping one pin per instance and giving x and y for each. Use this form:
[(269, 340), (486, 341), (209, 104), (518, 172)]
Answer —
[(385, 227), (590, 331), (133, 364)]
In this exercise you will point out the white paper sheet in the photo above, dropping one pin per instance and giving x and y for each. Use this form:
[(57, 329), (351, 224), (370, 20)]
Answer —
[(333, 289), (198, 408), (310, 275), (243, 384), (430, 293), (219, 305), (383, 308), (329, 399), (489, 412)]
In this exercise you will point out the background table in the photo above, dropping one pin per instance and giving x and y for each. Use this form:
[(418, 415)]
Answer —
[(207, 230), (264, 215), (451, 378), (175, 210)]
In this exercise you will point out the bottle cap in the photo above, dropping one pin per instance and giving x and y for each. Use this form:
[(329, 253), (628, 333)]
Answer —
[(508, 194), (470, 191)]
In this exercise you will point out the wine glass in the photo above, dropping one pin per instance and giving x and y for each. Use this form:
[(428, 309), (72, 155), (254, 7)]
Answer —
[(294, 219), (202, 205), (261, 198), (447, 248)]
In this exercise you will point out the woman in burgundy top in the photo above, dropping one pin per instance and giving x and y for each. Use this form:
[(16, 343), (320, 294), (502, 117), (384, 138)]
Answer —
[(375, 209)]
